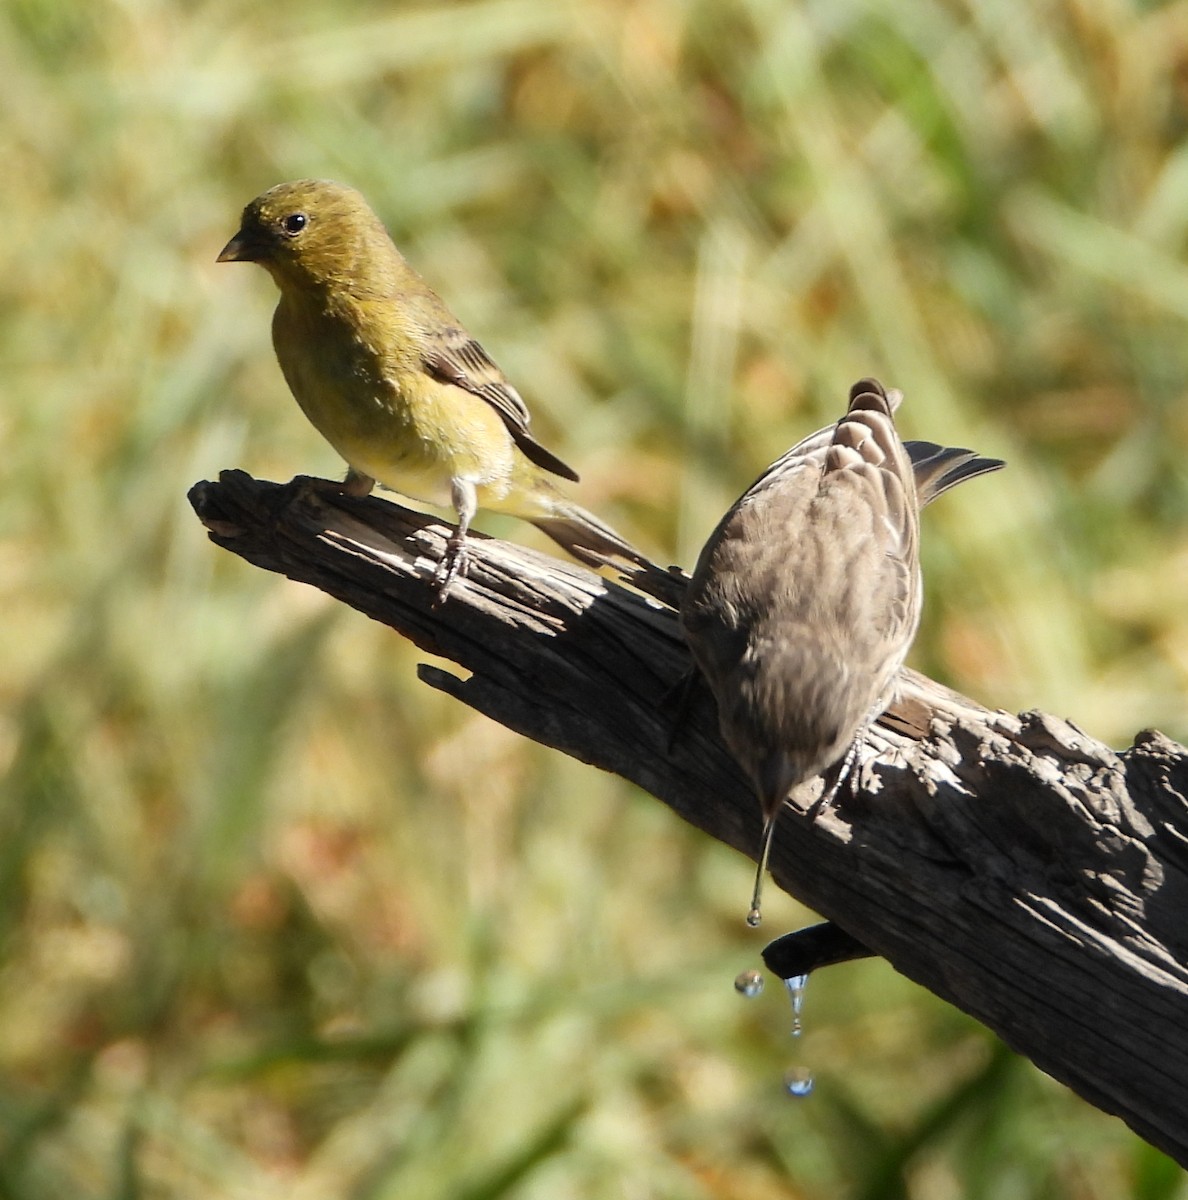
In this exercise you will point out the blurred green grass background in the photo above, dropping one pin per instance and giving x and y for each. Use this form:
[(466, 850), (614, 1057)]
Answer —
[(279, 922)]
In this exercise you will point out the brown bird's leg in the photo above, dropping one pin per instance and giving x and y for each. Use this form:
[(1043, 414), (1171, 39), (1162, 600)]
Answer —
[(454, 562), (841, 771), (845, 768)]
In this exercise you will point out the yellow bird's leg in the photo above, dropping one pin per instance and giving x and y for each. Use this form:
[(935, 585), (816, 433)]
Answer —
[(454, 562), (356, 483)]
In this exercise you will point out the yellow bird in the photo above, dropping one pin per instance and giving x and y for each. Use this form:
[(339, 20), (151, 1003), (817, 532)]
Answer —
[(388, 376)]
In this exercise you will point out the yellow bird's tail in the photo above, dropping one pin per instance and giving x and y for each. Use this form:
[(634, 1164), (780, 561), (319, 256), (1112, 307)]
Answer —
[(588, 539)]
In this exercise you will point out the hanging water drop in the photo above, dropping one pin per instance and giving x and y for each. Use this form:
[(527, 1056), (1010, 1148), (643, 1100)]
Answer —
[(749, 983), (796, 985)]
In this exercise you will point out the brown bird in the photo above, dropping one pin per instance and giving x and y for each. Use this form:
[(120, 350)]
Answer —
[(388, 376), (807, 596)]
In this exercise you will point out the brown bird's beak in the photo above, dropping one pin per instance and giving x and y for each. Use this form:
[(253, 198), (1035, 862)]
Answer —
[(242, 248)]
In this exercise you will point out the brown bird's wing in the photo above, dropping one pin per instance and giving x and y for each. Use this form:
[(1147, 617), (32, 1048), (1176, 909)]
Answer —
[(453, 356), (806, 597), (877, 500)]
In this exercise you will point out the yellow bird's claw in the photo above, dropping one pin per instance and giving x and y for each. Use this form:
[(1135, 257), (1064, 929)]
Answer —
[(452, 567)]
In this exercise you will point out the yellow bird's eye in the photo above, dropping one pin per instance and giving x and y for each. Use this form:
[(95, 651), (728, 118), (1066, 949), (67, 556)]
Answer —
[(294, 223)]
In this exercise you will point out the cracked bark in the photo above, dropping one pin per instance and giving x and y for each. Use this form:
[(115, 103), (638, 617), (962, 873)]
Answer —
[(1014, 866)]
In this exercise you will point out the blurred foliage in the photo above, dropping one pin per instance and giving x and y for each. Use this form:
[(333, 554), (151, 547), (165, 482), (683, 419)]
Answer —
[(278, 921)]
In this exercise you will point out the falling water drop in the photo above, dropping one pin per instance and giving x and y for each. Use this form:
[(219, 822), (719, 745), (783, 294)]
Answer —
[(798, 1081), (749, 983)]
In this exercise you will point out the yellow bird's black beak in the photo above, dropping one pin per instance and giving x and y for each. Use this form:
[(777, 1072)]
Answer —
[(243, 247)]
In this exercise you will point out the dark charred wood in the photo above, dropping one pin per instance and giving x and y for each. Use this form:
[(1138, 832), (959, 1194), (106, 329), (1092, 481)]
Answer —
[(1015, 866)]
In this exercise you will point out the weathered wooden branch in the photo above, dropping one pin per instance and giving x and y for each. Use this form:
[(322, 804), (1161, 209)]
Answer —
[(1012, 865)]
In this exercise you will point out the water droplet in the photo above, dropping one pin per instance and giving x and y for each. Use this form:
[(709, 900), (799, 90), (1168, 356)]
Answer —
[(749, 983), (755, 917), (799, 1082), (796, 986)]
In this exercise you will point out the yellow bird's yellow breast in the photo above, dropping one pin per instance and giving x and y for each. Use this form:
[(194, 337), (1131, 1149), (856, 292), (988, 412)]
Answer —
[(358, 377)]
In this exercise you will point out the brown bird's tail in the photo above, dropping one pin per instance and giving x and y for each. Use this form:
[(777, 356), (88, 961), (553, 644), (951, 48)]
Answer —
[(938, 468), (935, 468)]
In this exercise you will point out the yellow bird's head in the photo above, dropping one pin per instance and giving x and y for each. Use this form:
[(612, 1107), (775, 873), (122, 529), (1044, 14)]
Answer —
[(312, 233)]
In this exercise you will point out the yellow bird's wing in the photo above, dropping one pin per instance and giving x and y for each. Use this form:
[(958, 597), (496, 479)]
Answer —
[(453, 356)]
